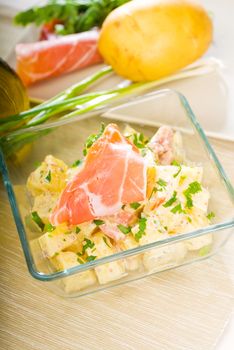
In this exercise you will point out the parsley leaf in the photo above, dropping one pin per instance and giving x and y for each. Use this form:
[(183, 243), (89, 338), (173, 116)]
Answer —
[(124, 229), (37, 164), (48, 177), (36, 218), (98, 222), (194, 187), (204, 250), (88, 244), (141, 231), (162, 183), (105, 240), (211, 215), (91, 258), (49, 228), (76, 15), (135, 205), (76, 163), (77, 229), (92, 138), (174, 162), (80, 260), (177, 209), (179, 170), (138, 140), (171, 200)]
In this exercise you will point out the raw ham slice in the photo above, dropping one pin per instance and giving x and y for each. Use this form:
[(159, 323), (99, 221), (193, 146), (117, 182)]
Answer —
[(50, 58), (114, 174), (162, 145), (112, 231)]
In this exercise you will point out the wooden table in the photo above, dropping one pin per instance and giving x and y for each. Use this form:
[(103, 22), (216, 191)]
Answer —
[(196, 302), (183, 309)]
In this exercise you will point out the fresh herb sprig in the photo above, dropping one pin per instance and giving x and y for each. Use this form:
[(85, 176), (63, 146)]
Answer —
[(193, 188), (172, 200), (124, 229), (75, 15), (36, 218), (92, 138), (142, 228)]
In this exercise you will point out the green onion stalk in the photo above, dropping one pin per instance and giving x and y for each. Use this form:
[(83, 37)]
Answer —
[(53, 106), (69, 104)]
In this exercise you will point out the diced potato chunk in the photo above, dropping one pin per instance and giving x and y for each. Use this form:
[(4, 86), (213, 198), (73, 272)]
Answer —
[(201, 200), (178, 148), (199, 242), (87, 228), (110, 271), (164, 257), (49, 176), (57, 240), (77, 282), (134, 262), (188, 175), (77, 246), (44, 204), (159, 257)]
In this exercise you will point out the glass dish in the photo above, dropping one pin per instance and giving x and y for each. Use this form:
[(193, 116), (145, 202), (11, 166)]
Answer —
[(65, 139)]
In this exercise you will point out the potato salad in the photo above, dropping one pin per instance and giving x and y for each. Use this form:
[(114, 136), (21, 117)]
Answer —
[(127, 191)]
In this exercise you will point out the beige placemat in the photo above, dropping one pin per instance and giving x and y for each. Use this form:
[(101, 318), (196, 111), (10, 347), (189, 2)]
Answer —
[(182, 309)]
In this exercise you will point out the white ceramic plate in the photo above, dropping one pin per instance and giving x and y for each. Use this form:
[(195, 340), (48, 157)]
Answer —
[(211, 96)]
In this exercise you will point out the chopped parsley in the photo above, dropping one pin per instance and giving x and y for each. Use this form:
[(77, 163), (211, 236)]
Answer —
[(174, 162), (177, 209), (88, 244), (36, 218), (76, 163), (211, 215), (189, 219), (92, 138), (171, 200), (124, 229), (138, 140), (37, 164), (105, 240), (179, 170), (142, 227), (194, 187), (49, 228), (135, 205), (162, 183), (182, 178), (77, 229), (91, 258), (143, 152), (80, 260), (48, 177), (98, 222), (204, 250)]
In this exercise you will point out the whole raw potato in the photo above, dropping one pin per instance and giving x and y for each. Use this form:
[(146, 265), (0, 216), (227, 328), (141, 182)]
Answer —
[(148, 39)]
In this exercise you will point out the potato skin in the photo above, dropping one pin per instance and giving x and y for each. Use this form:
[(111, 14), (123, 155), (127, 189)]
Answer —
[(147, 40)]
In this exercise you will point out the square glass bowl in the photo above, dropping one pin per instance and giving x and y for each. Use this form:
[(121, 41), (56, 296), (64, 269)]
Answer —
[(65, 140)]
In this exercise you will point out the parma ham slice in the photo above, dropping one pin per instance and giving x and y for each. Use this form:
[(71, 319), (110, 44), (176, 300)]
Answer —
[(49, 58), (114, 174)]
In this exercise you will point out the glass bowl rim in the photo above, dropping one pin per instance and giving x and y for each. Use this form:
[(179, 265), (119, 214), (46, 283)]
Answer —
[(124, 254)]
